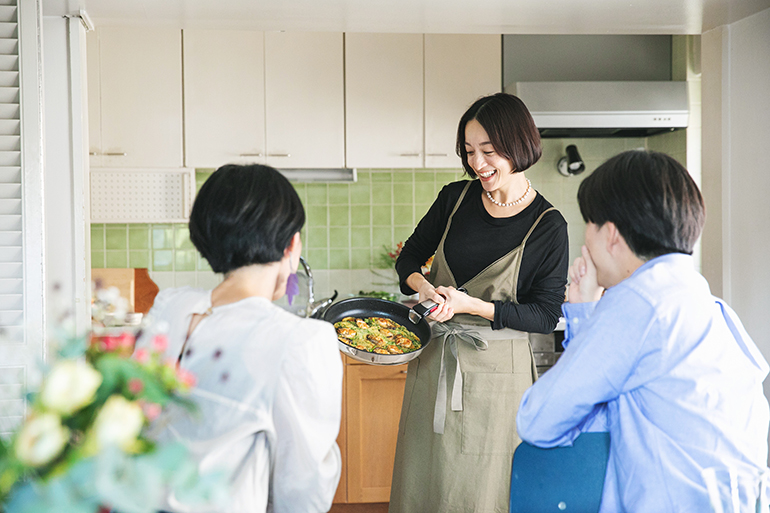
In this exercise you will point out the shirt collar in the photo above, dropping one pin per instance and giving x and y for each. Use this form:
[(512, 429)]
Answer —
[(675, 259)]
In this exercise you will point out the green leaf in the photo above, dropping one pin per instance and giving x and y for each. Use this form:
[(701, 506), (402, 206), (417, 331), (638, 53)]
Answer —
[(73, 347), (119, 371)]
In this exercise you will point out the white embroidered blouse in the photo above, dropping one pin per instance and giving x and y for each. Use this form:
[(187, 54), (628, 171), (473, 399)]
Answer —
[(269, 391)]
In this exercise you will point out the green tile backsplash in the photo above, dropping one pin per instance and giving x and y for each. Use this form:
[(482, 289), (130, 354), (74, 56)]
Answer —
[(348, 225)]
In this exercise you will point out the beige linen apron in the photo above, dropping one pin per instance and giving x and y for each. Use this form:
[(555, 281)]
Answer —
[(468, 467)]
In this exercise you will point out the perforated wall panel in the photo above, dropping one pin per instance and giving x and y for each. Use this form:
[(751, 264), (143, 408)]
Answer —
[(141, 196)]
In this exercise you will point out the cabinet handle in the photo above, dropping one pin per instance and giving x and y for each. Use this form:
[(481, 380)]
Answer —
[(409, 155), (108, 154), (437, 155), (251, 155), (403, 372), (279, 155)]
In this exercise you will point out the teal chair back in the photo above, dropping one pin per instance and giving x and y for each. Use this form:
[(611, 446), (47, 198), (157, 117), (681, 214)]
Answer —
[(561, 479)]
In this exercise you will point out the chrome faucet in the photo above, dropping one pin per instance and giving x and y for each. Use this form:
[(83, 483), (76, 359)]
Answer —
[(309, 272), (315, 309)]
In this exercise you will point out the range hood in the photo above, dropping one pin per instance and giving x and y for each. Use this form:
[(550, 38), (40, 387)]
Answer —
[(604, 109)]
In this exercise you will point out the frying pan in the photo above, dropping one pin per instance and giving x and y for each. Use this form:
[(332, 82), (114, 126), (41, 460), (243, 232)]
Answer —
[(372, 307)]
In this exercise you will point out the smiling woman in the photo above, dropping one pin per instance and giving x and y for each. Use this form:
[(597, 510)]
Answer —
[(500, 240)]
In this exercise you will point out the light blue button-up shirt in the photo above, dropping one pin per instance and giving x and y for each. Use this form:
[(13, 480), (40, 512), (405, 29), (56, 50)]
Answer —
[(670, 372)]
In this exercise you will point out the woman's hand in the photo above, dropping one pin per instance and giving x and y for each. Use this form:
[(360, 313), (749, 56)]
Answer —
[(583, 286), (461, 302), (427, 291), (444, 312)]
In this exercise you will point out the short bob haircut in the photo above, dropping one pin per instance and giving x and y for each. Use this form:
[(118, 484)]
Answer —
[(510, 128), (650, 198), (245, 215)]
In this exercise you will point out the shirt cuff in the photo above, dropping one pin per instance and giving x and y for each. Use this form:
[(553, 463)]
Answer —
[(576, 315), (497, 322)]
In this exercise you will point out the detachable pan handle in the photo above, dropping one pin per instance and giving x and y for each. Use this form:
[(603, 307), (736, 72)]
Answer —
[(421, 310)]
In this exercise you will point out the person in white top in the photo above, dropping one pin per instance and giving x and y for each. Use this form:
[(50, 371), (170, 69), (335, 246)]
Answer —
[(269, 387)]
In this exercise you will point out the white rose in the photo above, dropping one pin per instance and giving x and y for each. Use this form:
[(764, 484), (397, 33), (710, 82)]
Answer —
[(41, 439), (118, 423), (70, 386)]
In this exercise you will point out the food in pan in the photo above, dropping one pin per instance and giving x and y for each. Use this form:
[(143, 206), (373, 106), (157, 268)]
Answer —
[(376, 335)]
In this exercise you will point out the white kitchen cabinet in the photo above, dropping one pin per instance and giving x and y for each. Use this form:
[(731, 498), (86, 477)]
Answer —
[(275, 98), (384, 100), (305, 100), (224, 98), (459, 69), (135, 97), (406, 93)]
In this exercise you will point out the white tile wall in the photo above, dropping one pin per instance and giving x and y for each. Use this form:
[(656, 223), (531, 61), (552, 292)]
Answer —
[(200, 279)]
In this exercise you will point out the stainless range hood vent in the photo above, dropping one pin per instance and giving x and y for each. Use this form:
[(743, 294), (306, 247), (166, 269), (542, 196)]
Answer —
[(320, 175), (604, 109)]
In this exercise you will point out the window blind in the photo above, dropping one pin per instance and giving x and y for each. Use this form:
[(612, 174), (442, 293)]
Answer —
[(12, 377)]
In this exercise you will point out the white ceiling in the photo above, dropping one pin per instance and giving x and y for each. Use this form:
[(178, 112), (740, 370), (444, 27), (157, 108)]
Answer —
[(425, 16)]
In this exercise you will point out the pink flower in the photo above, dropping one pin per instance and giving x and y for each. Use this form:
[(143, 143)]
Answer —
[(159, 343), (135, 385), (110, 343), (186, 377), (151, 410), (142, 356), (126, 340)]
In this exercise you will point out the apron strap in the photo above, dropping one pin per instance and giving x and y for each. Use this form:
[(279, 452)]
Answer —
[(534, 225), (440, 248), (457, 205), (451, 333), (521, 248)]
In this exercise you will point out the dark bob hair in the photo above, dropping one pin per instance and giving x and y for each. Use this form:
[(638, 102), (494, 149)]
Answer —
[(510, 128), (651, 199), (245, 215)]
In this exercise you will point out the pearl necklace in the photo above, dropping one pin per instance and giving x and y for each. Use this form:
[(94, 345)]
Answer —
[(512, 203)]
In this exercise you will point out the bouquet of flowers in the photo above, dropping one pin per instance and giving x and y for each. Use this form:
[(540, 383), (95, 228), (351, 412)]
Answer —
[(82, 446)]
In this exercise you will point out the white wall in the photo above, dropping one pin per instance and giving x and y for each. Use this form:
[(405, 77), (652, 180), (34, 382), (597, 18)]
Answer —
[(65, 175), (736, 175)]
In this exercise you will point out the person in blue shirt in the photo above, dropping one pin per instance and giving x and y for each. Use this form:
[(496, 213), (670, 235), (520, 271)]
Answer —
[(650, 355)]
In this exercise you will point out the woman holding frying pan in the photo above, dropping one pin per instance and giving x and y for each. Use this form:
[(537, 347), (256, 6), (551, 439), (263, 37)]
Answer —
[(504, 246)]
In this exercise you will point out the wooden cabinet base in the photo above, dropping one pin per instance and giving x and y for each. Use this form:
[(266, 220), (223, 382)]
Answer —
[(373, 398)]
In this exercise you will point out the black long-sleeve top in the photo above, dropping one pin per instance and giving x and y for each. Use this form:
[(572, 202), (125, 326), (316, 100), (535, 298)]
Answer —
[(476, 239)]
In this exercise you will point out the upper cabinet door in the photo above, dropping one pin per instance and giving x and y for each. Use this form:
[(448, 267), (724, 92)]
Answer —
[(304, 100), (140, 96), (224, 99), (384, 105), (458, 70)]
